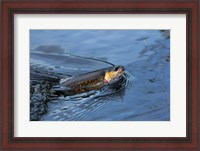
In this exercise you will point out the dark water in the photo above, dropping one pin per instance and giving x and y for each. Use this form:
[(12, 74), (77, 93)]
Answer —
[(143, 96)]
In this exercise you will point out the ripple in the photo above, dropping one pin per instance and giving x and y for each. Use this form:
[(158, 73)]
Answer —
[(130, 78)]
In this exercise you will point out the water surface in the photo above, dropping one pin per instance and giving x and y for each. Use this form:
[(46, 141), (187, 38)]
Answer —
[(145, 54)]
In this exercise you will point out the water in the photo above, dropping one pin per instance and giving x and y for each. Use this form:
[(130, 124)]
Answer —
[(145, 54)]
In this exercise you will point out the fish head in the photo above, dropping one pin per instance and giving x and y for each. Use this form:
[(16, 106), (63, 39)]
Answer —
[(113, 73)]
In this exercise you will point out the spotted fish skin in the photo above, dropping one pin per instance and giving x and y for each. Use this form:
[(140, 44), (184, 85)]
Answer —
[(85, 79), (86, 82)]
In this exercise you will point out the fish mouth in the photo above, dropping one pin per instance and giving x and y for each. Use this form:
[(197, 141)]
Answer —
[(122, 67), (119, 68)]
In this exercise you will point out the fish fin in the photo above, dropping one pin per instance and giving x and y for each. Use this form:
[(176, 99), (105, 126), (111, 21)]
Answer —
[(60, 88), (65, 80)]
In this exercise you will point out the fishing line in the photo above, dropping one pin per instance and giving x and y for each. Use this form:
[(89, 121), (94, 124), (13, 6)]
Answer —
[(91, 59)]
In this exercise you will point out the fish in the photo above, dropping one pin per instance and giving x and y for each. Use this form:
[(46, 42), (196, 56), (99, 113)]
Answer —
[(94, 80)]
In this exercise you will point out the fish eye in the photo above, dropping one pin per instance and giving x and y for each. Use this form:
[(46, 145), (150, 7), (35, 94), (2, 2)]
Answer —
[(116, 68)]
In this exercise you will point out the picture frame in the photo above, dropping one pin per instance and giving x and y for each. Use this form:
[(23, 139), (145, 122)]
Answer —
[(188, 7)]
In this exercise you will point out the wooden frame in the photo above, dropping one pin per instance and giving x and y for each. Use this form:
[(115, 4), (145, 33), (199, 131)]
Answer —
[(9, 8)]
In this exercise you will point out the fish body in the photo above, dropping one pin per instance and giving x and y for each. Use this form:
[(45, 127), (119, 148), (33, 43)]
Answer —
[(90, 81)]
